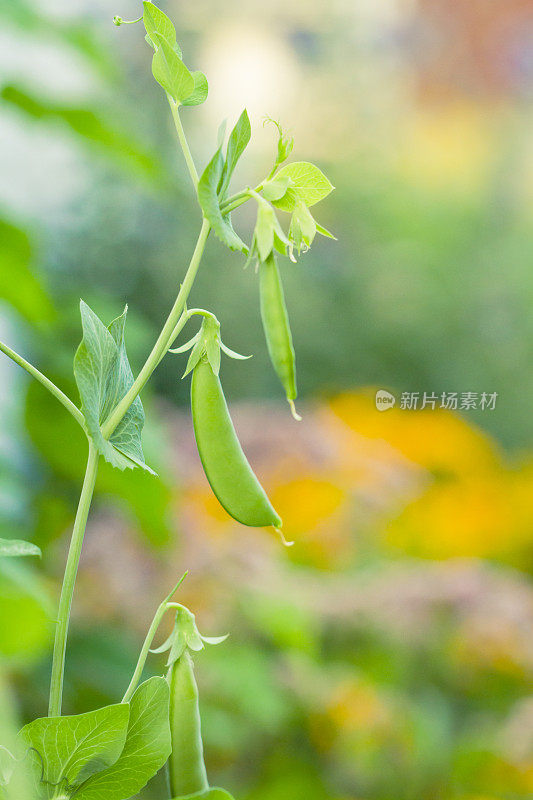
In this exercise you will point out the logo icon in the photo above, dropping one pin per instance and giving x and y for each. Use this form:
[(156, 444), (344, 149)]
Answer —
[(384, 400)]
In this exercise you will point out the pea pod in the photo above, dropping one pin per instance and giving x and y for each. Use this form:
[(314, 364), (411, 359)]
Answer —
[(226, 467), (277, 329), (186, 767)]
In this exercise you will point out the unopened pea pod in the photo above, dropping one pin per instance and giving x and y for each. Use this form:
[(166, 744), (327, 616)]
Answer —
[(277, 329), (186, 768), (226, 467)]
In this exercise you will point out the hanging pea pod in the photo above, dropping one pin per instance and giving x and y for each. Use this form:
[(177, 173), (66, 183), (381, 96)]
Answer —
[(277, 329), (225, 465)]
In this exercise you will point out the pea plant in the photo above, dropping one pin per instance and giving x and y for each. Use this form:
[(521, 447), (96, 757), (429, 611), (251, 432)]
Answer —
[(111, 753)]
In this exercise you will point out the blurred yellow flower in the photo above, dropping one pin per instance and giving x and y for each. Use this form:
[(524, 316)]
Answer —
[(447, 146)]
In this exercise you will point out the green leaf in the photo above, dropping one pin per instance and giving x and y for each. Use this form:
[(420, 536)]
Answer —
[(324, 231), (93, 126), (170, 72), (276, 188), (308, 185), (18, 282), (237, 142), (103, 375), (200, 91), (209, 199), (156, 22), (18, 547), (146, 750), (71, 749), (210, 794), (285, 144)]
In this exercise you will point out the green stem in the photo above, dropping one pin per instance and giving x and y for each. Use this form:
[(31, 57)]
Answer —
[(183, 142), (46, 382), (236, 200), (152, 630), (162, 343), (69, 580)]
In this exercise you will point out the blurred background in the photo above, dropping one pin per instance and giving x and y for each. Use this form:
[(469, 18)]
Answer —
[(389, 654)]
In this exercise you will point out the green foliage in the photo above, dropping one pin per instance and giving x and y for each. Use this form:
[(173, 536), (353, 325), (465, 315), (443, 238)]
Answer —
[(146, 749), (68, 750), (170, 72), (200, 91), (25, 294), (92, 126), (237, 143), (157, 24), (210, 199), (307, 183), (18, 547), (103, 375), (147, 501)]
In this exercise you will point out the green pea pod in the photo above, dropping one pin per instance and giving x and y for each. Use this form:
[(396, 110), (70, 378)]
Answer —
[(226, 467), (186, 768), (277, 329)]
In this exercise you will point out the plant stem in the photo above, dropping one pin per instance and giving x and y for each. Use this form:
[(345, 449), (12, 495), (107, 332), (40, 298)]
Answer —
[(162, 343), (46, 382), (236, 200), (183, 142), (69, 579), (152, 630)]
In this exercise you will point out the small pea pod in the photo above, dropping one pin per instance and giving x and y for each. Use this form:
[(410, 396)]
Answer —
[(186, 767), (226, 467), (277, 328)]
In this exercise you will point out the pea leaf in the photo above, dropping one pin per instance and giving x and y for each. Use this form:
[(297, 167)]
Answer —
[(308, 184), (276, 188), (146, 750), (156, 22), (210, 794), (169, 70), (103, 375), (200, 91), (209, 198), (237, 143), (70, 749), (18, 547)]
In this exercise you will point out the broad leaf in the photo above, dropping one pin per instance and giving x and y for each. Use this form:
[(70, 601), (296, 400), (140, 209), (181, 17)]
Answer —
[(308, 184), (103, 375), (170, 72), (146, 750), (156, 22), (210, 794), (70, 749), (237, 142), (200, 91), (209, 198), (18, 547)]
